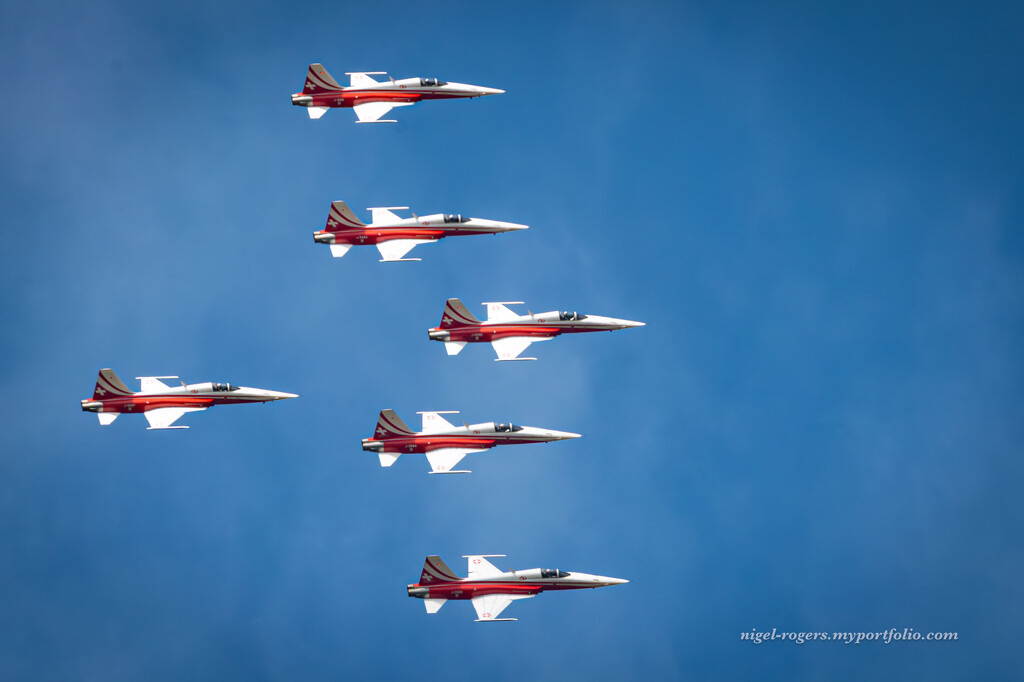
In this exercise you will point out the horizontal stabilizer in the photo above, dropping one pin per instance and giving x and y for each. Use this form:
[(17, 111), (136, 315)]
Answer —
[(388, 458), (454, 347), (316, 112), (339, 250), (434, 605), (107, 418)]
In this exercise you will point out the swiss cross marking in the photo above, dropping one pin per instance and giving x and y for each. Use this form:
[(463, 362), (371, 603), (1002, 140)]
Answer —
[(101, 391)]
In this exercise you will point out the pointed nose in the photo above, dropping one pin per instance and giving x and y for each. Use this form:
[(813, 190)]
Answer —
[(562, 435), (281, 395), (491, 91), (631, 323)]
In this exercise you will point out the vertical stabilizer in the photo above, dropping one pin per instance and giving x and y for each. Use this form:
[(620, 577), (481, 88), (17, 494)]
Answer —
[(109, 385), (318, 80), (390, 424), (456, 315), (341, 216), (435, 570)]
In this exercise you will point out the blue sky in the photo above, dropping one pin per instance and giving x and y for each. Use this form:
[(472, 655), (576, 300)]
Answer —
[(816, 209)]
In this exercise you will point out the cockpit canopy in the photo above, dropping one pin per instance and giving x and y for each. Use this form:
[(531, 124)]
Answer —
[(553, 573), (570, 316), (224, 387), (507, 428), (432, 81), (455, 218)]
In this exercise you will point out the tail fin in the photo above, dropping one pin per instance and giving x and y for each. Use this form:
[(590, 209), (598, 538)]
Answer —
[(341, 215), (435, 570), (318, 80), (109, 385), (456, 314), (390, 424)]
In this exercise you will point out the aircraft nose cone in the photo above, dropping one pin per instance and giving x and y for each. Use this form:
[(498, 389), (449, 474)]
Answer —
[(616, 581), (490, 91), (564, 435), (630, 323), (281, 395)]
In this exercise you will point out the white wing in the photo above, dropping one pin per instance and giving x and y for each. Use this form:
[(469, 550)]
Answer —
[(153, 384), (316, 112), (434, 605), (388, 458), (497, 312), (372, 111), (107, 418), (442, 460), (433, 422), (384, 216), (490, 606), (396, 248), (362, 80), (339, 250), (480, 568), (510, 347), (163, 417)]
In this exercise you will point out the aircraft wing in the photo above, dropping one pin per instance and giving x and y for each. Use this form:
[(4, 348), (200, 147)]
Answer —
[(490, 606), (339, 250), (497, 312), (163, 417), (372, 111), (396, 248), (433, 422), (510, 347), (153, 384), (479, 567), (443, 459), (316, 112)]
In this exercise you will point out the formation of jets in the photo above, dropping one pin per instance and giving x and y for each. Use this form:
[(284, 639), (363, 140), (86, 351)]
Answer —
[(395, 236), (490, 589), (163, 405), (371, 99), (510, 333), (444, 444)]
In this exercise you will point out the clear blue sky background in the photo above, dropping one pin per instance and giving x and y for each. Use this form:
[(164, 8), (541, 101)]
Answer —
[(816, 209)]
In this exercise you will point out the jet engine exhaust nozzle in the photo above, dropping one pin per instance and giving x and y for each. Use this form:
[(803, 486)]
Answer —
[(415, 591), (302, 99), (370, 445), (439, 334)]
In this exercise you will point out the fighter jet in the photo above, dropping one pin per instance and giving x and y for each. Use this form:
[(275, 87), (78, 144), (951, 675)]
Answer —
[(446, 444), (492, 590), (162, 404), (510, 334), (395, 236), (372, 99)]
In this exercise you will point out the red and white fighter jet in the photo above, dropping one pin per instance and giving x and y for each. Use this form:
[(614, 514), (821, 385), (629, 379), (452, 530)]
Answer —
[(395, 236), (372, 99), (509, 333), (490, 589), (446, 444), (162, 404)]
